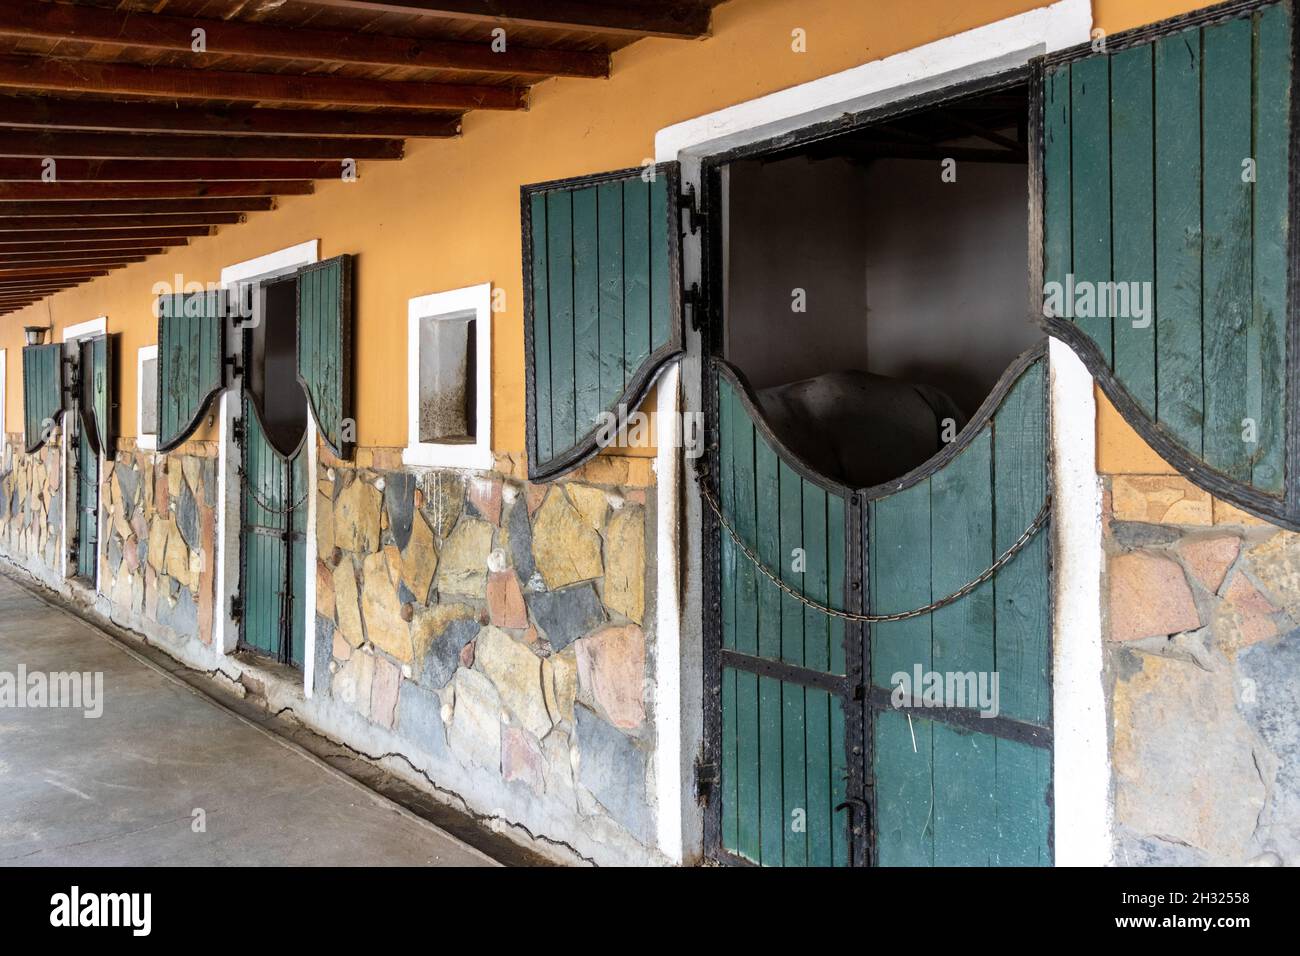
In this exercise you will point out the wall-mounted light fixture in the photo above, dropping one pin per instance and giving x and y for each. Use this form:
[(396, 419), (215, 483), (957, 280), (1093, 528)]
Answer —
[(35, 334)]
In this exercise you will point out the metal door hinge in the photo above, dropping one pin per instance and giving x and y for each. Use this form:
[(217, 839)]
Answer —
[(706, 780), (236, 607), (73, 366), (689, 204), (693, 299), (237, 431)]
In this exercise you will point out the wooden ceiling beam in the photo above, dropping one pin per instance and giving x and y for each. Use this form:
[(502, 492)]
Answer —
[(34, 259), (58, 191), (139, 236), (31, 73), (47, 288), (687, 19), (92, 224), (49, 112), (48, 272), (170, 170), (270, 41), (97, 145), (84, 245), (134, 207)]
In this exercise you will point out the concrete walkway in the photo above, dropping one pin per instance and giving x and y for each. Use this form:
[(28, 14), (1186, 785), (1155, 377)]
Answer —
[(123, 789)]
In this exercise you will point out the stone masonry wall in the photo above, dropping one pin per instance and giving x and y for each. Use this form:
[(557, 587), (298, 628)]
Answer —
[(495, 633), (1203, 674), (501, 628), (31, 512), (157, 530)]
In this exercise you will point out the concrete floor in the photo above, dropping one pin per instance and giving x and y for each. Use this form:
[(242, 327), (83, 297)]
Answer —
[(122, 789)]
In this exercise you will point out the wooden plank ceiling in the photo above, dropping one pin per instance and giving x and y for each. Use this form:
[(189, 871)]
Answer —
[(167, 119)]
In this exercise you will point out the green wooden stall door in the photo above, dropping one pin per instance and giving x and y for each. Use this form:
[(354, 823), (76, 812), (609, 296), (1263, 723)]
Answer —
[(953, 791), (273, 545), (93, 434), (325, 349), (99, 401), (191, 366), (87, 505), (950, 786), (1166, 177), (42, 393), (602, 306)]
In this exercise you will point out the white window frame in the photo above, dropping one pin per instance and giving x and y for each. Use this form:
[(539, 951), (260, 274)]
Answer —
[(142, 441), (454, 304), (1083, 811)]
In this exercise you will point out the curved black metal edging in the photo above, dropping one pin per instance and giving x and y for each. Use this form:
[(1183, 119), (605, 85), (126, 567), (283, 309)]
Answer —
[(1271, 508), (974, 427), (261, 423), (972, 430), (749, 399), (43, 438), (634, 394)]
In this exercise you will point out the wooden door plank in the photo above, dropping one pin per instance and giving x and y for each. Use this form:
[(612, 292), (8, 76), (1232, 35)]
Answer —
[(904, 789), (661, 277), (586, 311), (768, 546), (613, 373), (793, 755), (965, 787), (900, 581), (1058, 229), (1023, 810), (559, 255), (729, 770), (747, 717), (1090, 184), (1266, 369), (1133, 225), (817, 706), (636, 273), (961, 543), (1179, 398), (541, 356), (1021, 589), (1226, 210)]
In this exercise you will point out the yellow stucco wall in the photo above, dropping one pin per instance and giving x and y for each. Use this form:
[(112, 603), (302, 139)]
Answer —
[(448, 215)]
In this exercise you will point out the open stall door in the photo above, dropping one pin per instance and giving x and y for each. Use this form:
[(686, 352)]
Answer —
[(1164, 186)]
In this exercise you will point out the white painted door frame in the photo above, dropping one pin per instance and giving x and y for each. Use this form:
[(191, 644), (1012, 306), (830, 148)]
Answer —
[(1081, 759), (224, 627), (75, 333)]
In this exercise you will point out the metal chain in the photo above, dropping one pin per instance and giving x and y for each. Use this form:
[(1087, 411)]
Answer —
[(261, 503), (1034, 527)]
